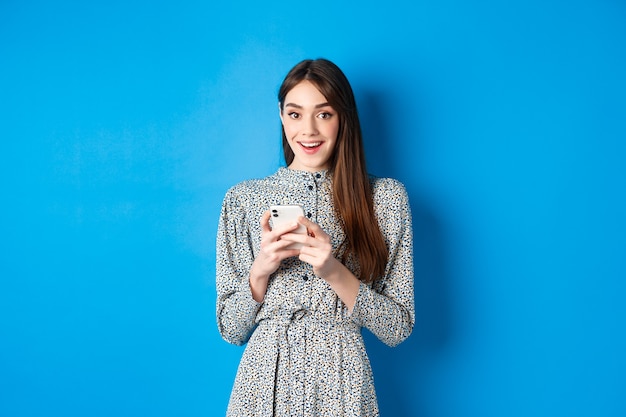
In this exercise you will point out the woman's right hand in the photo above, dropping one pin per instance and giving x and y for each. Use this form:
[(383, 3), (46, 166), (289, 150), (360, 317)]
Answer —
[(273, 252)]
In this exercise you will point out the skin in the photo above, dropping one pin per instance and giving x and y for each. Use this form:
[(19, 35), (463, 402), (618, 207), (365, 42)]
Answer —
[(307, 119)]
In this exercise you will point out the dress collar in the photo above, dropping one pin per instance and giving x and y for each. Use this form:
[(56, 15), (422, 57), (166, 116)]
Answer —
[(298, 175)]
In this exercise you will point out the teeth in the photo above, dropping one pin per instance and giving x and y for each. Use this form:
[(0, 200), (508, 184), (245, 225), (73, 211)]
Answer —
[(311, 145)]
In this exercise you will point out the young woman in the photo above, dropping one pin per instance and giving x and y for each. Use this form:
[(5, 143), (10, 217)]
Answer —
[(301, 310)]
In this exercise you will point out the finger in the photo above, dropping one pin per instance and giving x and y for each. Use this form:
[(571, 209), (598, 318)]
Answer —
[(279, 248), (297, 238), (265, 222), (279, 231), (313, 229), (288, 253)]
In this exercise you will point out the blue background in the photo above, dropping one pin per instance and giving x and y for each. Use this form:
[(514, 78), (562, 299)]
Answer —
[(123, 124)]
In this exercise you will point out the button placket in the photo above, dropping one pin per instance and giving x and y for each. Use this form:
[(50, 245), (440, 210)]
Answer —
[(312, 196)]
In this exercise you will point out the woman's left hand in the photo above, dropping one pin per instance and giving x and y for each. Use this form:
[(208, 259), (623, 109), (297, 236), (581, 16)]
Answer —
[(317, 250)]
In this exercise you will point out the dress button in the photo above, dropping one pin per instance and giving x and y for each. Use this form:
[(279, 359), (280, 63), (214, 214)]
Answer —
[(305, 277), (310, 187), (318, 175), (309, 215)]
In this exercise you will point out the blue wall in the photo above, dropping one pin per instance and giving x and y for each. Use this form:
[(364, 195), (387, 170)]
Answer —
[(123, 125)]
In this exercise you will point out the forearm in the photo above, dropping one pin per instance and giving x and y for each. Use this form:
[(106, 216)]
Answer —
[(390, 319), (236, 314), (344, 283), (258, 286)]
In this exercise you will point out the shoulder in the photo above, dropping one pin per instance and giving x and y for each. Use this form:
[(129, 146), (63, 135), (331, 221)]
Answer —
[(388, 190), (391, 202), (392, 208), (244, 187)]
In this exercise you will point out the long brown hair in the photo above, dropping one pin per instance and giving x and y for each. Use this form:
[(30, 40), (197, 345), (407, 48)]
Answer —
[(352, 192)]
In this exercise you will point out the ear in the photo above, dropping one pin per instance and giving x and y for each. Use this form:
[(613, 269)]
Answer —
[(280, 112)]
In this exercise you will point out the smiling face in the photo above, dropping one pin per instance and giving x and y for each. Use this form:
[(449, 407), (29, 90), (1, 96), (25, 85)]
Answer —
[(311, 126)]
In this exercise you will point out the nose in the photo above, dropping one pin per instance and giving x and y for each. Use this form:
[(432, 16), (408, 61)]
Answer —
[(309, 128)]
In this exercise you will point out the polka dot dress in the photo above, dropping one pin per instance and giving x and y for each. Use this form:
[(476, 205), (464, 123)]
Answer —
[(305, 355)]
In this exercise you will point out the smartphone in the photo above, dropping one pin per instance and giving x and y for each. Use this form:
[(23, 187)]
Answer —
[(283, 215)]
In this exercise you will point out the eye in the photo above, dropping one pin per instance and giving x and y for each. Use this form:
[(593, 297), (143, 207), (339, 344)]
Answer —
[(325, 115), (293, 115)]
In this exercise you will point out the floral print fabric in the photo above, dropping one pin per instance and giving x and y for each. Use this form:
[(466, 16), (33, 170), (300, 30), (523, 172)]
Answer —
[(305, 355)]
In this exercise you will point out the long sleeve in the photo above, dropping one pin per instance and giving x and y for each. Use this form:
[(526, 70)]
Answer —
[(236, 309), (305, 353), (387, 307)]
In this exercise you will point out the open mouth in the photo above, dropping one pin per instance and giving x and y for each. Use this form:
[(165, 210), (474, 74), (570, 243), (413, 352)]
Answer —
[(310, 145)]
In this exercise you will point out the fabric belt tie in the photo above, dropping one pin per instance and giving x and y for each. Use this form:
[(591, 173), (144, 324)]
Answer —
[(292, 333)]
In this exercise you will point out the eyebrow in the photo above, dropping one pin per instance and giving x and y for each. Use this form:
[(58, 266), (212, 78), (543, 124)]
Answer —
[(317, 106)]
